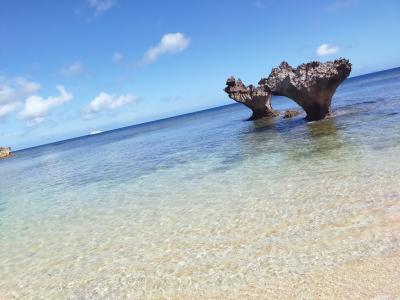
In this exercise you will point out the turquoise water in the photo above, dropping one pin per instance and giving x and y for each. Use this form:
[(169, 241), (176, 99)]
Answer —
[(208, 205)]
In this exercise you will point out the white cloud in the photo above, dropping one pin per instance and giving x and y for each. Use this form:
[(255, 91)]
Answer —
[(117, 57), (6, 109), (75, 68), (326, 49), (36, 107), (12, 91), (105, 101), (26, 87), (170, 43), (101, 6)]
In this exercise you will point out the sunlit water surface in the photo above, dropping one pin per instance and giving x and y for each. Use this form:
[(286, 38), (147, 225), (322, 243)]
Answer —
[(208, 205)]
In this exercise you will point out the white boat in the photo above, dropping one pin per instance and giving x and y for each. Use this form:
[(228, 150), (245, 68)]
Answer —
[(96, 132)]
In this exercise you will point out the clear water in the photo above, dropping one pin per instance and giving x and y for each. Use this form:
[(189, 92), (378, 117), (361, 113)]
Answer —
[(208, 205)]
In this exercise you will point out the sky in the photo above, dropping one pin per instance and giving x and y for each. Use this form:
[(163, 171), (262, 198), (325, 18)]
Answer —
[(68, 68)]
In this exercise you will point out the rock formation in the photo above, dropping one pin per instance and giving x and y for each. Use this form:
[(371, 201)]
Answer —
[(5, 152), (310, 85), (255, 98), (290, 113)]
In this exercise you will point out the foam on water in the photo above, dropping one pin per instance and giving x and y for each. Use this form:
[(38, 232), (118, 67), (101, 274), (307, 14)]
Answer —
[(210, 206)]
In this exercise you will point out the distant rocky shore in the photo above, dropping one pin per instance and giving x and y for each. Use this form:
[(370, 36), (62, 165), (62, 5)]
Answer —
[(5, 152), (310, 85)]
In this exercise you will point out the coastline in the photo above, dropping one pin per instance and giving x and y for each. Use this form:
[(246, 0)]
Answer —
[(227, 104)]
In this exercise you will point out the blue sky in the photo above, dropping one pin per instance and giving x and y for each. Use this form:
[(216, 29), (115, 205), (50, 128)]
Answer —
[(71, 67)]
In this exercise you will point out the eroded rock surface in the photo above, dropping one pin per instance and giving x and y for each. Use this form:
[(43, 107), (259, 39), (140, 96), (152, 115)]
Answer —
[(255, 98), (5, 152), (290, 113), (310, 85)]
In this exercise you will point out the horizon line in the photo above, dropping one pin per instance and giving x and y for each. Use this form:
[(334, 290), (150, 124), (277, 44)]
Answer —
[(166, 118)]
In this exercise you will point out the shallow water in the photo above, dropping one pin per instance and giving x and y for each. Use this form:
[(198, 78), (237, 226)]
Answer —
[(208, 205)]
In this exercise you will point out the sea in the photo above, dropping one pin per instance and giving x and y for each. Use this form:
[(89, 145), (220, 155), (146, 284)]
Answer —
[(210, 206)]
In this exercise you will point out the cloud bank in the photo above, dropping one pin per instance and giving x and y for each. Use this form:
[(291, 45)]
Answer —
[(326, 49), (171, 43), (12, 91), (36, 107), (105, 101)]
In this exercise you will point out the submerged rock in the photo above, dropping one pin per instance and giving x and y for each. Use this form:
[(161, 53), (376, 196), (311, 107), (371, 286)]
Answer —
[(255, 98), (290, 113), (5, 152), (310, 85)]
